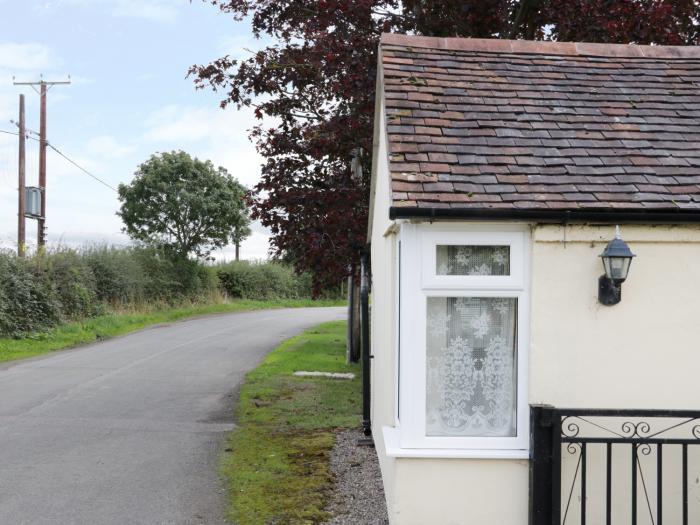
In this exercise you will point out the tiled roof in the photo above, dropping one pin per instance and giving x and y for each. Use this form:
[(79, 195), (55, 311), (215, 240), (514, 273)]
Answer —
[(497, 124)]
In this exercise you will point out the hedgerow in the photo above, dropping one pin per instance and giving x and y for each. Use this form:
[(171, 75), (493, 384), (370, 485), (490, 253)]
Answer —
[(246, 280), (63, 285), (268, 280)]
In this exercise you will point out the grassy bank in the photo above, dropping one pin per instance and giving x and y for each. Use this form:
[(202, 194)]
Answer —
[(115, 324), (277, 462)]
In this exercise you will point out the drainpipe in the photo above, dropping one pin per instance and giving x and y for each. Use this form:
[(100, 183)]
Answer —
[(351, 315), (364, 323)]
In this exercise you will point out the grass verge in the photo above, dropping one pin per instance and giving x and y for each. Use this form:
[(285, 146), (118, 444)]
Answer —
[(114, 324), (276, 464)]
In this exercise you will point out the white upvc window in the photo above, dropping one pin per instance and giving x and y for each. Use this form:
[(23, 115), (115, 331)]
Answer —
[(463, 340)]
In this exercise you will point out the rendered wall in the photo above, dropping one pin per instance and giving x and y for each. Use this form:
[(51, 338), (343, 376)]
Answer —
[(383, 303), (641, 353), (460, 492)]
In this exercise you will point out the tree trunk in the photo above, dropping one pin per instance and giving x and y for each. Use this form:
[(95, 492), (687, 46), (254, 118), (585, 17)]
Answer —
[(238, 251), (353, 346)]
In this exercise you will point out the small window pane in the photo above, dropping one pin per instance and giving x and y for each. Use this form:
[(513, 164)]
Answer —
[(473, 260), (471, 366)]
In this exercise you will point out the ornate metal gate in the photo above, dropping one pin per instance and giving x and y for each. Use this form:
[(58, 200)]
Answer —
[(613, 467)]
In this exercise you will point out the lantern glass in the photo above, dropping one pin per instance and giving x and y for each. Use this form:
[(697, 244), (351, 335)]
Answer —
[(617, 268)]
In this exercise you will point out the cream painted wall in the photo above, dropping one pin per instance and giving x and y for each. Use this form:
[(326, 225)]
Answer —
[(460, 492), (383, 319), (641, 353)]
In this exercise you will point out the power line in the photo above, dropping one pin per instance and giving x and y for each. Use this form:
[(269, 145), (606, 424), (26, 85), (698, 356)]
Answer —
[(65, 157), (80, 167)]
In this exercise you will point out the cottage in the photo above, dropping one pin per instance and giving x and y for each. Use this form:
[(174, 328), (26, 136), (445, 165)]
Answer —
[(515, 378)]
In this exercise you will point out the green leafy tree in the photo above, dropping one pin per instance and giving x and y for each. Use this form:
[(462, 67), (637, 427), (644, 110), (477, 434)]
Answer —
[(183, 204)]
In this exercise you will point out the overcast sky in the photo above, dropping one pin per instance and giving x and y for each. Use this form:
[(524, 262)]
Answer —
[(128, 61)]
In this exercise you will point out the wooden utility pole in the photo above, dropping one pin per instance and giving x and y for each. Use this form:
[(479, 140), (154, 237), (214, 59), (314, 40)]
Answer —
[(21, 237), (41, 222), (43, 142)]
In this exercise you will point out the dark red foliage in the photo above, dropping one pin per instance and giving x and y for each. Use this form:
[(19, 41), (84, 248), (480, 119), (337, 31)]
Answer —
[(316, 83), (665, 22), (474, 18)]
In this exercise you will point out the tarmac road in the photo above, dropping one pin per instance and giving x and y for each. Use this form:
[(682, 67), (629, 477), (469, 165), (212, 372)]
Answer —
[(128, 431)]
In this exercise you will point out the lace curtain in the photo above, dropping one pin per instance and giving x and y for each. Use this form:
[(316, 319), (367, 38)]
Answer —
[(473, 260), (471, 366)]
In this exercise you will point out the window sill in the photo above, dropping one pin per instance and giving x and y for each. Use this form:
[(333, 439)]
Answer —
[(393, 449)]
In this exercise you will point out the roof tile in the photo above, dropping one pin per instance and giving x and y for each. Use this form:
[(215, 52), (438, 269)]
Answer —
[(476, 123)]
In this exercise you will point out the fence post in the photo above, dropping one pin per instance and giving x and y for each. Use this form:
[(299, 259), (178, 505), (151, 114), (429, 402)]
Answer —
[(542, 443)]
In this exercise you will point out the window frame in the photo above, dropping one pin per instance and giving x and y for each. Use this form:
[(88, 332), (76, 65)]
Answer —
[(419, 280), (432, 280)]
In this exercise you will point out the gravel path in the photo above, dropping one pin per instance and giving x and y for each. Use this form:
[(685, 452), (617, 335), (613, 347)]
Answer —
[(358, 498)]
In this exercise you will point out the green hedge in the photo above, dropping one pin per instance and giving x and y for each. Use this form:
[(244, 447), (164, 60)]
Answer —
[(244, 280), (27, 304), (44, 290)]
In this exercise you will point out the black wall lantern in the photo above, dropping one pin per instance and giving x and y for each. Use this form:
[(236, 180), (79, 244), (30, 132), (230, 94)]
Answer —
[(617, 258)]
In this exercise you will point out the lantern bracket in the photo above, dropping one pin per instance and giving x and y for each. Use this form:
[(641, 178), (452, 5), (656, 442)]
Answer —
[(609, 291)]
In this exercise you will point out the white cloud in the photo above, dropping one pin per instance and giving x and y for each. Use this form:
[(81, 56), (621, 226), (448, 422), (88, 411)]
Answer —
[(79, 80), (154, 10), (23, 61), (157, 10), (8, 164), (8, 111), (243, 45), (209, 133), (182, 124), (107, 147), (25, 57)]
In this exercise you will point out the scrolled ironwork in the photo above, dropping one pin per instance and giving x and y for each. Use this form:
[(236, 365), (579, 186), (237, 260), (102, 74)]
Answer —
[(592, 426), (570, 429), (588, 441), (573, 448), (696, 431), (640, 429), (644, 449)]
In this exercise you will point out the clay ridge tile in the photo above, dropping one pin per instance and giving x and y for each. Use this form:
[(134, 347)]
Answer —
[(541, 48)]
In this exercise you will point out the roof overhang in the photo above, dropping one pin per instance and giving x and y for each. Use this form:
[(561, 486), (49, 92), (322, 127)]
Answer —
[(553, 216)]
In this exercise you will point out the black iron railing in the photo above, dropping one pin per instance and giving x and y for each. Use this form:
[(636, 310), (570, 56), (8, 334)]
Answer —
[(641, 456)]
